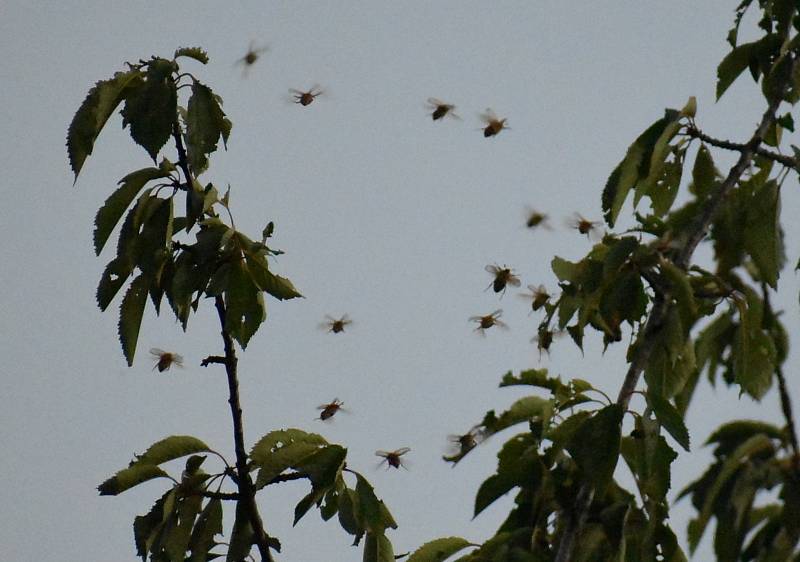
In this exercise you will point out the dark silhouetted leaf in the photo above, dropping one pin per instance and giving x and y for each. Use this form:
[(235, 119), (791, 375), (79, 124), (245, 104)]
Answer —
[(596, 446), (245, 310), (763, 238), (130, 316), (205, 123), (208, 525), (377, 548), (151, 109), (669, 418), (93, 113), (109, 214)]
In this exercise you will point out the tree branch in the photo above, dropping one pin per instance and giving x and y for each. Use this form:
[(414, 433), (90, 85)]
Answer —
[(661, 306), (695, 133), (247, 490)]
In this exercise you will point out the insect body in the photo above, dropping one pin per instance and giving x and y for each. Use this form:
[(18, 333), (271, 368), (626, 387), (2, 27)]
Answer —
[(584, 225), (538, 296), (165, 359), (392, 458), (252, 55), (502, 276), (487, 321), (305, 98), (466, 442), (330, 409), (441, 109), (331, 324), (536, 219), (493, 123)]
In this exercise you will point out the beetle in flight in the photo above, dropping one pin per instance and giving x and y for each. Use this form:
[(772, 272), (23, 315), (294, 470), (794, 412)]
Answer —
[(330, 409), (252, 55), (493, 123), (441, 109), (306, 98), (502, 276), (392, 458), (584, 225), (335, 326), (487, 321), (165, 359), (538, 296)]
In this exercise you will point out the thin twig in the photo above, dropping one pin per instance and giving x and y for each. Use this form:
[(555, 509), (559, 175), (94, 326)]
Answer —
[(695, 133)]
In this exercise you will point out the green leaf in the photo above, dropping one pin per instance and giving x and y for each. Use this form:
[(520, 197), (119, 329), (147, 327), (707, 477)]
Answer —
[(245, 310), (205, 123), (532, 377), (642, 164), (378, 548), (208, 525), (109, 214), (130, 316), (277, 286), (279, 450), (732, 66), (173, 447), (523, 410), (146, 526), (669, 418), (518, 463), (114, 277), (564, 270), (373, 513), (242, 535), (754, 354), (704, 173), (195, 53), (730, 435), (753, 446), (323, 465), (151, 108), (185, 514), (596, 446), (682, 291), (129, 477), (93, 113), (439, 549), (763, 238)]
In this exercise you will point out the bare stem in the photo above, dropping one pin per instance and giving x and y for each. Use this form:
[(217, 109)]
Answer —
[(247, 491)]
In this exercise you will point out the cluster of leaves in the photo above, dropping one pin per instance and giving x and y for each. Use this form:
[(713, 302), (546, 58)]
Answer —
[(748, 460), (717, 321), (187, 519), (151, 259), (157, 257), (565, 444)]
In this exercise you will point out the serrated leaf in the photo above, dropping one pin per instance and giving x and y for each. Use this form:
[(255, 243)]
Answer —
[(172, 447), (244, 303), (279, 450), (112, 210), (114, 277), (195, 53), (151, 109), (524, 410), (763, 238), (130, 316), (532, 377), (323, 465), (242, 535), (439, 549), (129, 477), (93, 113), (275, 285), (377, 548), (644, 159), (146, 526), (517, 462), (373, 513), (755, 445), (669, 417), (205, 123), (208, 525), (596, 446)]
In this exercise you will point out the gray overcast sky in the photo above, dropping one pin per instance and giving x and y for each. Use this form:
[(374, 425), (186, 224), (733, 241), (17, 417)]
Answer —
[(383, 214)]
